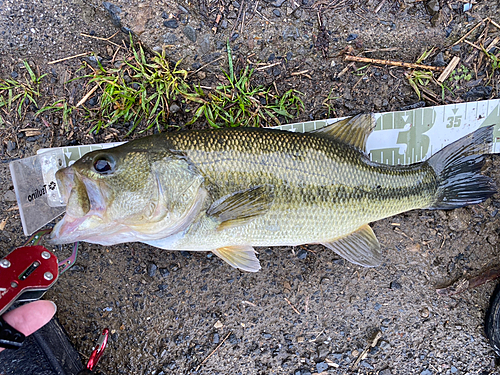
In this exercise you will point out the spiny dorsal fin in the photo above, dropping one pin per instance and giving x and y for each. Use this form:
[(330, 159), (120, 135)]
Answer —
[(359, 247), (242, 257), (241, 207), (353, 130)]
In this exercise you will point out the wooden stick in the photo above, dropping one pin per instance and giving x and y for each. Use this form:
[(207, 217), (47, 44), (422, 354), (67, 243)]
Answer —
[(470, 32), (207, 64), (292, 306), (480, 60), (493, 43), (84, 99), (380, 5), (473, 45), (393, 63), (463, 284), (452, 65), (100, 38), (268, 66), (494, 23), (213, 351), (344, 71), (300, 73), (68, 58)]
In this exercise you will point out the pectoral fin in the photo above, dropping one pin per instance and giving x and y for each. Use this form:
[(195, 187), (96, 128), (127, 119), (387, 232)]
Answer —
[(242, 206), (353, 131), (360, 247), (242, 257)]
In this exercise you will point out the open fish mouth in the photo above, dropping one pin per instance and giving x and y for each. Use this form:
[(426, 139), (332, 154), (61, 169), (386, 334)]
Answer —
[(85, 208)]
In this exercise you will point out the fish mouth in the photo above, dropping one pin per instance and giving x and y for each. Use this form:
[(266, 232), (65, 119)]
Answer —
[(85, 208)]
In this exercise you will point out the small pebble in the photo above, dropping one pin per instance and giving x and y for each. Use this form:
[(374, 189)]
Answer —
[(321, 366), (171, 23), (277, 12), (384, 345), (215, 338), (267, 335), (439, 60), (351, 37), (152, 269), (93, 101), (9, 196), (395, 285), (302, 254), (424, 313), (11, 146), (366, 365), (14, 74), (169, 38), (164, 272), (190, 33)]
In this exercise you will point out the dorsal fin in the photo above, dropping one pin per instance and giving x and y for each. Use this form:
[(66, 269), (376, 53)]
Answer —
[(353, 130)]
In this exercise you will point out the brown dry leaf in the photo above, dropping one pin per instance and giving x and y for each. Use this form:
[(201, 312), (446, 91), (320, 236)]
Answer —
[(2, 223)]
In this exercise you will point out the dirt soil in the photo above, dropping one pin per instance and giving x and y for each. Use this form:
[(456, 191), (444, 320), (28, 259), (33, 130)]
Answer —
[(306, 311)]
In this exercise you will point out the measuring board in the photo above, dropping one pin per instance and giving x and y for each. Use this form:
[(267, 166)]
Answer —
[(401, 137)]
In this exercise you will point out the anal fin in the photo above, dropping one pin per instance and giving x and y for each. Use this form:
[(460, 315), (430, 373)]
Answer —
[(242, 257), (359, 247)]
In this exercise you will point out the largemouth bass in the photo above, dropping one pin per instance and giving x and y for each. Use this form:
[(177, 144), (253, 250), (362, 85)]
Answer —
[(228, 190)]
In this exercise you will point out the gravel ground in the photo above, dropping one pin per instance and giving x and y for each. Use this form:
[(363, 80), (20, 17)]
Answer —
[(306, 311)]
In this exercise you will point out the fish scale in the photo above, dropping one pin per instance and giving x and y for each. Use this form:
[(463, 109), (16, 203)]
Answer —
[(324, 189), (228, 190)]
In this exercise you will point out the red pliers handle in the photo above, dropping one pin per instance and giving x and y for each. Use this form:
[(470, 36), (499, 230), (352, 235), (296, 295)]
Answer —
[(25, 275)]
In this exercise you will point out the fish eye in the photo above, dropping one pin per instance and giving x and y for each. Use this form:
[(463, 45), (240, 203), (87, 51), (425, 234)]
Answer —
[(104, 164)]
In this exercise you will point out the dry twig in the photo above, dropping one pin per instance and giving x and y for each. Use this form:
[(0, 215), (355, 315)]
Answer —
[(392, 63), (69, 58), (105, 39), (213, 351), (380, 5), (84, 99), (449, 68), (463, 284), (469, 32), (292, 306), (364, 353)]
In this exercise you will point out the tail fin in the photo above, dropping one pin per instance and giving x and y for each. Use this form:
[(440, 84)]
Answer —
[(458, 168)]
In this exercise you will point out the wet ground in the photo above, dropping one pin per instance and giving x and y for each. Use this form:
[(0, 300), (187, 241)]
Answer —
[(306, 311)]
